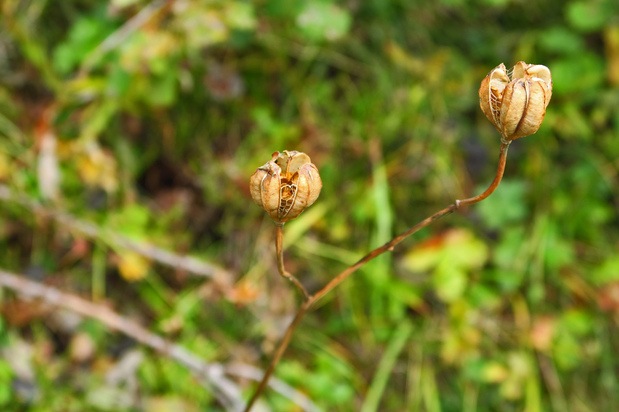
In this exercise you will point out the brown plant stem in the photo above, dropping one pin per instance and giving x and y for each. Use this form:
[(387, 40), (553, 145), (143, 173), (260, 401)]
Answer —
[(281, 348), (211, 374), (371, 255), (279, 247), (226, 391), (88, 229)]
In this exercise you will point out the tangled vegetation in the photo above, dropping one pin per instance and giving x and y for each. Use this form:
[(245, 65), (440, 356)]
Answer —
[(128, 131)]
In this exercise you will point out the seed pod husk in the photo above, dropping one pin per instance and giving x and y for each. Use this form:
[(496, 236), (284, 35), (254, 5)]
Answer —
[(515, 103), (286, 185)]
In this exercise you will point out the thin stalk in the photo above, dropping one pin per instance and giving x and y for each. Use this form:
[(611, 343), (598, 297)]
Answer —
[(279, 353), (389, 246), (279, 248), (427, 221)]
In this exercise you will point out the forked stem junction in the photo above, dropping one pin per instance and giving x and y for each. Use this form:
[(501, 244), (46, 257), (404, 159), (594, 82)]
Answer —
[(311, 300)]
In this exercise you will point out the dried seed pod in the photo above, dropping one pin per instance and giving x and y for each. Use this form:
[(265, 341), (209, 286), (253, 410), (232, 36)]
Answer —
[(286, 185), (515, 102)]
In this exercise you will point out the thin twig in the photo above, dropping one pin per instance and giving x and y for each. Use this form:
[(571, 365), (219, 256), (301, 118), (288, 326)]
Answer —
[(393, 242), (256, 374), (279, 249), (89, 229), (212, 374), (281, 348), (387, 247)]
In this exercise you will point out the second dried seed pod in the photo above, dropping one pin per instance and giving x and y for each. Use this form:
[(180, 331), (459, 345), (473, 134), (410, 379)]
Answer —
[(515, 102), (286, 185)]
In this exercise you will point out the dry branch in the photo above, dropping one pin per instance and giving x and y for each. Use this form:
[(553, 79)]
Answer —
[(210, 374), (89, 229)]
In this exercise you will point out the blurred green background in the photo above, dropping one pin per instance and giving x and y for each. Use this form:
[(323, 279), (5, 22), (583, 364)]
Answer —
[(147, 119)]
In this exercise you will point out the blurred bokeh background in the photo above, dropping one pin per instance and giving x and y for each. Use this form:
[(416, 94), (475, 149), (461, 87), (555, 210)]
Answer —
[(128, 133)]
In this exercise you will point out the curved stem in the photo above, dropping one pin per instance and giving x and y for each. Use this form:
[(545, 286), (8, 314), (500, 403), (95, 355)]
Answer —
[(497, 178), (307, 305), (393, 242), (279, 247)]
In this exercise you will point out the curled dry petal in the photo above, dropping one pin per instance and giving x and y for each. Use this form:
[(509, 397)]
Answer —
[(286, 185), (515, 102)]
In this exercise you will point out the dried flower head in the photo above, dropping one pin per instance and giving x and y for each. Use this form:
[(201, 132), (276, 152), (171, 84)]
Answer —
[(515, 102), (286, 185)]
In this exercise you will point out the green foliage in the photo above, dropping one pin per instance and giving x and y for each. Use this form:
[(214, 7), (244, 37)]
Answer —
[(83, 37), (6, 375), (322, 20), (159, 112)]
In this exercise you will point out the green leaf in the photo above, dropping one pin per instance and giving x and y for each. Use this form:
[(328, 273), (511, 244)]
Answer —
[(422, 259), (577, 322), (85, 34), (449, 281), (497, 3), (240, 15), (585, 71), (282, 8), (561, 40), (163, 90), (559, 252), (6, 377), (506, 205), (406, 293), (508, 280), (481, 295), (567, 351), (118, 82), (465, 250), (588, 16), (131, 220), (320, 20), (508, 248), (606, 272), (457, 246)]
